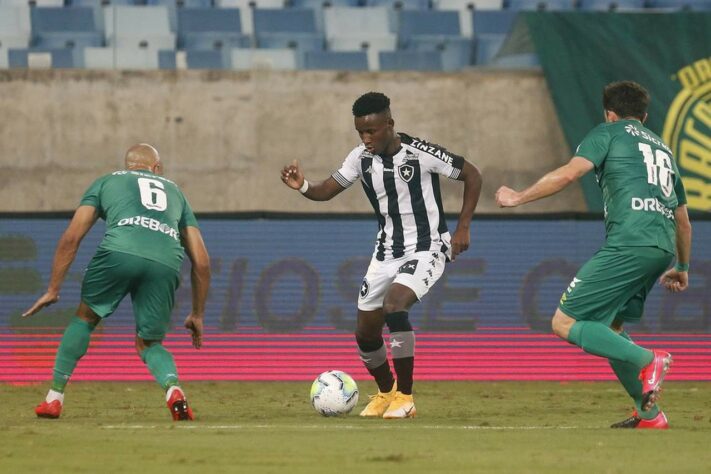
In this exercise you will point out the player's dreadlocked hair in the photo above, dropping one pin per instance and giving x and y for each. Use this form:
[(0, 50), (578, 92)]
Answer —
[(370, 103), (626, 99)]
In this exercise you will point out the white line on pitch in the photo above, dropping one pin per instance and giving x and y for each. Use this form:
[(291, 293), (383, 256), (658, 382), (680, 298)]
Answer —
[(344, 427)]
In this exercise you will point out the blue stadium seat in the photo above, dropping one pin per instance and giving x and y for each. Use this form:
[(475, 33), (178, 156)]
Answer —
[(54, 28), (210, 28), (288, 28), (547, 5), (693, 5), (611, 5), (247, 4), (59, 58), (493, 22), (355, 29), (400, 4), (138, 27), (102, 3), (341, 60), (461, 5), (487, 46), (437, 31), (202, 59), (317, 4), (128, 58), (410, 61), (14, 27)]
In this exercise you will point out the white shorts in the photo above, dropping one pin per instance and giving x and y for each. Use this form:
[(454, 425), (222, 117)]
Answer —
[(418, 271)]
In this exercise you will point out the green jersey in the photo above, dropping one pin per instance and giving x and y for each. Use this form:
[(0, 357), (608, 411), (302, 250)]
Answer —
[(144, 213), (640, 183)]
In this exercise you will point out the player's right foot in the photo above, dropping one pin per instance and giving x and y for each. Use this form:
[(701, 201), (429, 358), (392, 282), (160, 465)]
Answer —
[(402, 406), (49, 410), (178, 405), (379, 403), (652, 376), (659, 422)]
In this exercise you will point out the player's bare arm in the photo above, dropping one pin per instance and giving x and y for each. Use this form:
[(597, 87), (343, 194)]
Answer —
[(471, 176), (550, 184), (83, 220), (200, 280), (293, 177), (676, 279)]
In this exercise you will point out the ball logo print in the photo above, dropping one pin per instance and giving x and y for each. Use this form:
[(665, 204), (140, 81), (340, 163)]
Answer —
[(364, 288), (334, 393)]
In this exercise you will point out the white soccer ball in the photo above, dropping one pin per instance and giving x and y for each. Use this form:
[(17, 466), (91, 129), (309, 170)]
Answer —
[(334, 393)]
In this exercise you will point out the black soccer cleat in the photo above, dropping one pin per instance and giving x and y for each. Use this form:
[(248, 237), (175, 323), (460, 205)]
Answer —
[(630, 422)]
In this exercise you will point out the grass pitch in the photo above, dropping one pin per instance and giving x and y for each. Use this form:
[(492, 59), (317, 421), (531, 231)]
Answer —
[(271, 427)]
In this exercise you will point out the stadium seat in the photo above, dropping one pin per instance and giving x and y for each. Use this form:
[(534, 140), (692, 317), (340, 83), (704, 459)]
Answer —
[(319, 4), (438, 31), (547, 5), (276, 59), (46, 57), (127, 58), (400, 4), (462, 5), (354, 29), (487, 46), (693, 5), (138, 27), (410, 61), (54, 28), (287, 28), (493, 22), (210, 28), (206, 59), (341, 60), (48, 3), (611, 5), (14, 27), (247, 4)]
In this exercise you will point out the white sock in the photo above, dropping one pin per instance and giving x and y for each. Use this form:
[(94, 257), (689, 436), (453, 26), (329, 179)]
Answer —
[(171, 390), (52, 396)]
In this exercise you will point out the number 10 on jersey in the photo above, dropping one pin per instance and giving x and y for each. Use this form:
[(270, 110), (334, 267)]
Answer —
[(659, 168)]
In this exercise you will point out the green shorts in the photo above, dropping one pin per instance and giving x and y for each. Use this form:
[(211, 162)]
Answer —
[(112, 275), (614, 284)]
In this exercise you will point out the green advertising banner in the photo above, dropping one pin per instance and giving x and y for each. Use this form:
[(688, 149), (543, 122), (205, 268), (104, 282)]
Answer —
[(668, 53)]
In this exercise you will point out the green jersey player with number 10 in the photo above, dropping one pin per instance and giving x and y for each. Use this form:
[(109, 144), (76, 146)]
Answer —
[(646, 223), (149, 225)]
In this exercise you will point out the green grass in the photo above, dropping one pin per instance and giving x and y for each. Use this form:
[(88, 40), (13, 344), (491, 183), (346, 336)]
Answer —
[(271, 427)]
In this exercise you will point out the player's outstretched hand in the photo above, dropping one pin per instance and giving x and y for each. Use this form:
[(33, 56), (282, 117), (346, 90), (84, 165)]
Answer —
[(506, 197), (675, 281), (292, 175), (194, 324), (45, 300), (460, 242)]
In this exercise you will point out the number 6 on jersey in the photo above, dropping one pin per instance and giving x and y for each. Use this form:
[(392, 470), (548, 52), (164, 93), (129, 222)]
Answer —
[(152, 194)]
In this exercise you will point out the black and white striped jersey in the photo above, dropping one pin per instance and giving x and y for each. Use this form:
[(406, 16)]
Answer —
[(404, 192)]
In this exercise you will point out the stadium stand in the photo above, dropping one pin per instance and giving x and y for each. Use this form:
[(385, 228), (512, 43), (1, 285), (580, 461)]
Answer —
[(611, 5), (54, 27), (400, 4), (436, 31), (410, 61), (292, 28), (15, 28), (63, 58), (208, 59), (541, 5), (128, 58), (355, 29), (342, 60), (209, 28), (138, 27), (463, 5)]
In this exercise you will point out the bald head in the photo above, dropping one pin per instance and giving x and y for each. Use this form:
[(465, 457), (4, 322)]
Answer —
[(143, 157)]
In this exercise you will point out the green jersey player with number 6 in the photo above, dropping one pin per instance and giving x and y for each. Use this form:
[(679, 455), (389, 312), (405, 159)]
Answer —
[(646, 223), (149, 225)]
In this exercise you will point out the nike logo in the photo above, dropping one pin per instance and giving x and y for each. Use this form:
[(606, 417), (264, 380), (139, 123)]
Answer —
[(409, 410)]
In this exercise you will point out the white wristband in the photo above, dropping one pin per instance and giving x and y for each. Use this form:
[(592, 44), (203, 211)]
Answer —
[(304, 187)]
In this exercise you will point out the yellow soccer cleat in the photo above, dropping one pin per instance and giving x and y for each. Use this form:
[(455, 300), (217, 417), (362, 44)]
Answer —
[(379, 403), (402, 406)]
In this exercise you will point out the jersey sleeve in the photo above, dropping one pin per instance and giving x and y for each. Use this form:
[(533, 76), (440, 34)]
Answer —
[(441, 161), (349, 172), (187, 218), (92, 196), (595, 145)]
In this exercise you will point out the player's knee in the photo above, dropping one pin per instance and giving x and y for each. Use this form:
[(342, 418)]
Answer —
[(369, 343), (398, 321), (561, 325), (143, 344)]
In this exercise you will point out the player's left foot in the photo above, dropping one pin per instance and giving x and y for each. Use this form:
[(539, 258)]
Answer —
[(402, 406), (178, 405), (49, 410), (652, 376), (659, 422), (630, 422)]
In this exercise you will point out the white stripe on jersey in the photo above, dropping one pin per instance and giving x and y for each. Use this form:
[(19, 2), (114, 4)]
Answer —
[(404, 192)]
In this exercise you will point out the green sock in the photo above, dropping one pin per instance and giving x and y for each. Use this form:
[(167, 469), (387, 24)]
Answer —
[(628, 375), (75, 342), (598, 339), (161, 364)]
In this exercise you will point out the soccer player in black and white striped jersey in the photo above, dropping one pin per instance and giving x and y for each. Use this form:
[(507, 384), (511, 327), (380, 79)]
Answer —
[(400, 177)]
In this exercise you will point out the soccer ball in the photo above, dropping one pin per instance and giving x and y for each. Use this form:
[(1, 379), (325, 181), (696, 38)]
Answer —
[(334, 393)]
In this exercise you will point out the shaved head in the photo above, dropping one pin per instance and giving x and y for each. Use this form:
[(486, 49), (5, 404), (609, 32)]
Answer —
[(142, 156)]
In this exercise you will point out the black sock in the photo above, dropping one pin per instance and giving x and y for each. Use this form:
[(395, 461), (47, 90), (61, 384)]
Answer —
[(404, 368)]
